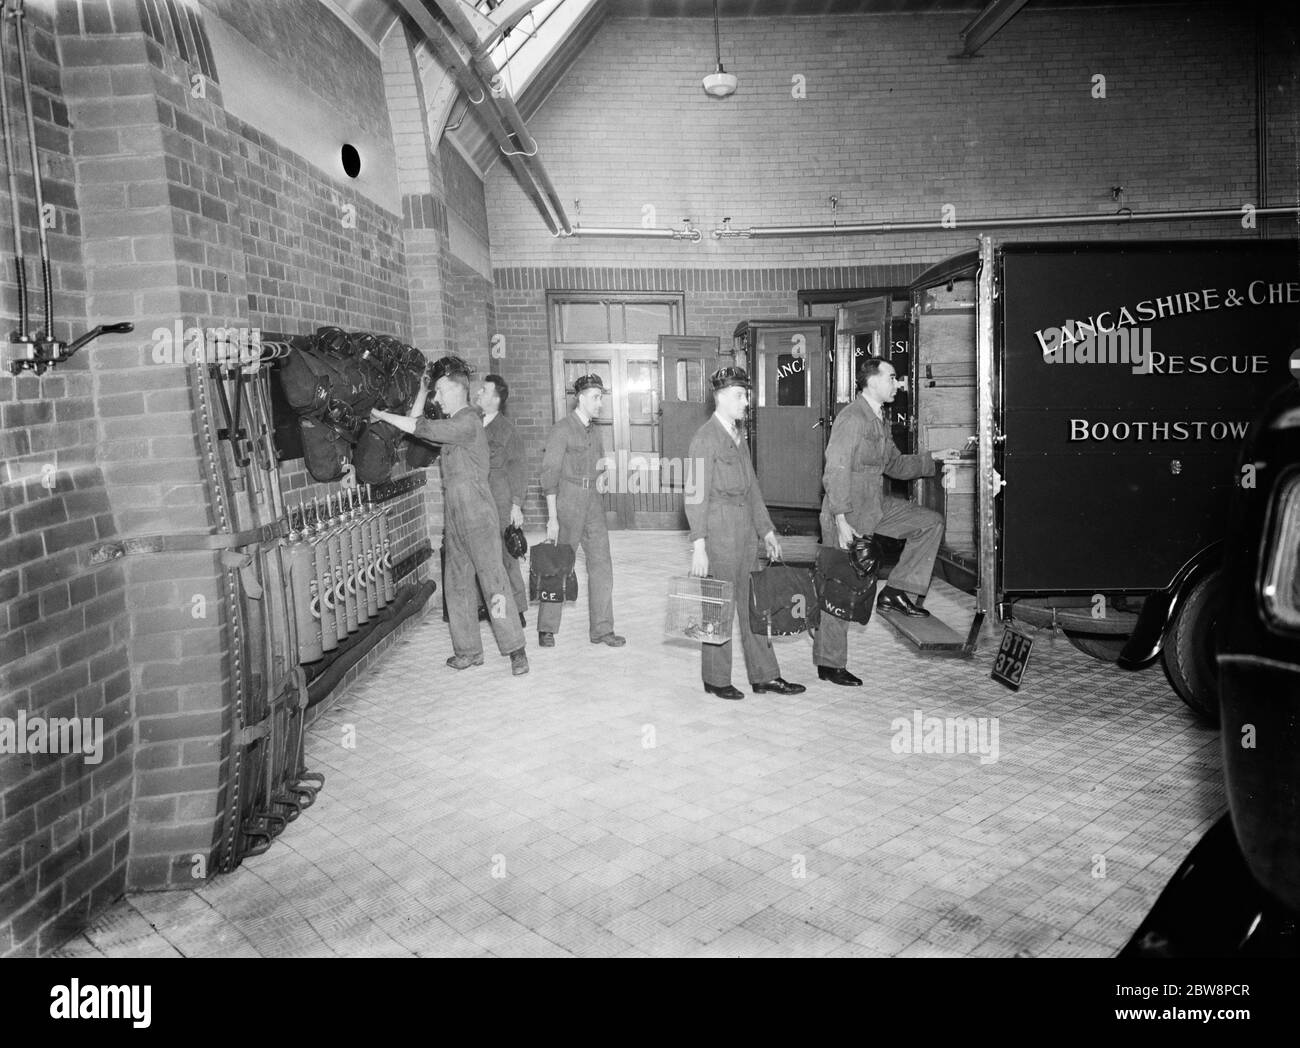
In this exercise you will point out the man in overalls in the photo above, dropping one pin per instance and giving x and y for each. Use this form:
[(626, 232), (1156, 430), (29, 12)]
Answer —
[(470, 528), (861, 452), (575, 513), (506, 475)]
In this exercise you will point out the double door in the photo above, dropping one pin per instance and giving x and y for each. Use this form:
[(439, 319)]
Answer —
[(628, 423)]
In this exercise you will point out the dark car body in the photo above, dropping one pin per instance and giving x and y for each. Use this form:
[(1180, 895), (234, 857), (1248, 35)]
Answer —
[(1238, 892)]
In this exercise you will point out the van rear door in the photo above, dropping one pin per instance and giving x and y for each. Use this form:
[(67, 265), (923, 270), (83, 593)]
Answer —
[(1117, 471)]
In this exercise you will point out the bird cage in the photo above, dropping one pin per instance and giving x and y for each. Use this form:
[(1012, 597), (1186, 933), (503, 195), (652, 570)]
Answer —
[(700, 609)]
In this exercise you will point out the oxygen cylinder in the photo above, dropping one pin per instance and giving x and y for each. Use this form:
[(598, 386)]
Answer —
[(334, 551), (301, 561), (358, 558), (376, 544), (323, 579), (361, 517), (349, 566), (385, 543)]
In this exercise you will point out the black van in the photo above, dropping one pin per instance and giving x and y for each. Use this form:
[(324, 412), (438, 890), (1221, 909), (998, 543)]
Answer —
[(1103, 391)]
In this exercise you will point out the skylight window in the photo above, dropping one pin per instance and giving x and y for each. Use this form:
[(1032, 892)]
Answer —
[(534, 39)]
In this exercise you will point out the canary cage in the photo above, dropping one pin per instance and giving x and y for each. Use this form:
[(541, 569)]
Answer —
[(700, 609)]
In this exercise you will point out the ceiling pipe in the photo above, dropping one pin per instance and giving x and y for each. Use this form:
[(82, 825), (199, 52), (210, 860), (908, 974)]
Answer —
[(759, 232), (489, 77), (613, 231), (445, 51), (687, 232), (762, 232)]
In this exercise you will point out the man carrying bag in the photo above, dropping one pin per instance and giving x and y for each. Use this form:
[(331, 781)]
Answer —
[(726, 524), (860, 454)]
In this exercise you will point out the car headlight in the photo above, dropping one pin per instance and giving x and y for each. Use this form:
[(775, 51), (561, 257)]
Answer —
[(1281, 556)]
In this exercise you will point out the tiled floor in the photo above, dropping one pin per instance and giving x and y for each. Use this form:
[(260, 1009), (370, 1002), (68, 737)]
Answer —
[(604, 806)]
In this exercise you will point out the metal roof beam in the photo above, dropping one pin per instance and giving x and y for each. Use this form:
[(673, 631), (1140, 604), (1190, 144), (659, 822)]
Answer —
[(985, 25)]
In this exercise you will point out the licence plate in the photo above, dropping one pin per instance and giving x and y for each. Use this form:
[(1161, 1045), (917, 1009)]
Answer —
[(1012, 658)]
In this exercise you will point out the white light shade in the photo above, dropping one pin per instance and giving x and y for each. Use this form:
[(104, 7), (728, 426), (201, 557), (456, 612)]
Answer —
[(720, 84)]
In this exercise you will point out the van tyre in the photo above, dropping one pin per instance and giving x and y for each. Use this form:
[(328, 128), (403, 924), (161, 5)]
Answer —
[(1188, 653), (1103, 646)]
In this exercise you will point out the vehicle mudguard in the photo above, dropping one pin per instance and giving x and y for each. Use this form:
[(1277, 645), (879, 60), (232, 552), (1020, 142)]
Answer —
[(1148, 637)]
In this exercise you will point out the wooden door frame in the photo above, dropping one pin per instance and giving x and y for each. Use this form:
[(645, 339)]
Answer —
[(620, 508)]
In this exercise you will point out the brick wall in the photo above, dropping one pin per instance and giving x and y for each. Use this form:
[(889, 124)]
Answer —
[(169, 211), (315, 48), (63, 821), (464, 190), (715, 301), (162, 247), (891, 126)]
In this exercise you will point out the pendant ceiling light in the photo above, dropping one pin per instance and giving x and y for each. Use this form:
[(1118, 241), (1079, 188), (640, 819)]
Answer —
[(719, 84)]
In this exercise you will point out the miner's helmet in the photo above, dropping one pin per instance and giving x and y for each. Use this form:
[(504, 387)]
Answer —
[(865, 555), (516, 544)]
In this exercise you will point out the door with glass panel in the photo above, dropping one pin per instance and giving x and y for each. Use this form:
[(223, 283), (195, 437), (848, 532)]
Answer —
[(787, 363), (617, 338)]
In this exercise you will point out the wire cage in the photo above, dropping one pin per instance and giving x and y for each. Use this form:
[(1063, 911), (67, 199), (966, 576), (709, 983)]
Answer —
[(700, 609)]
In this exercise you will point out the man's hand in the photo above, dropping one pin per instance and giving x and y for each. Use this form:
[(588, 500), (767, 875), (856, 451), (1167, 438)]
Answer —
[(552, 530), (845, 532), (516, 516), (699, 560), (773, 546)]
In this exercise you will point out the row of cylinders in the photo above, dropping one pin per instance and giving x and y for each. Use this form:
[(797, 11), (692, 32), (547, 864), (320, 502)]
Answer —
[(340, 569)]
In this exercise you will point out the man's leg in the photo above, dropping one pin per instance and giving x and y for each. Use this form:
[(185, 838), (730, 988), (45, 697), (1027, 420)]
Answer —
[(462, 593), (831, 641), (923, 530), (485, 553), (513, 574), (760, 659), (600, 570), (715, 659)]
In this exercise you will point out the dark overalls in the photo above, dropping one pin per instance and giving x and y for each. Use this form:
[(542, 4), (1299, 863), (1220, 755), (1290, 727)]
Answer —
[(472, 535), (860, 454), (570, 466), (727, 511), (506, 479)]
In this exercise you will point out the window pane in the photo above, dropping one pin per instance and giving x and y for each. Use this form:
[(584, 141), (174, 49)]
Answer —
[(791, 381), (642, 386), (583, 322), (646, 321), (643, 441), (690, 381)]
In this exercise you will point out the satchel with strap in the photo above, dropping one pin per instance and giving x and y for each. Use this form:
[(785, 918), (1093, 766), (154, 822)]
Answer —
[(782, 601), (841, 591), (551, 578)]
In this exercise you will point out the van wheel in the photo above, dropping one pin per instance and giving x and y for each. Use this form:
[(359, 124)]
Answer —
[(1103, 646), (1188, 653)]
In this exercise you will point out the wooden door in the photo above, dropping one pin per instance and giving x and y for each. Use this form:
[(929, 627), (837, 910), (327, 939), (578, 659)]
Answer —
[(685, 363), (789, 405)]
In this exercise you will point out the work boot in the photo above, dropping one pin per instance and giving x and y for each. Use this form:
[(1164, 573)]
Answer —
[(611, 639), (464, 662), (518, 662), (546, 640)]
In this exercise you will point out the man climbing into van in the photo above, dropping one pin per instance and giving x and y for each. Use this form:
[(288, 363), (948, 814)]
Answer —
[(860, 453)]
